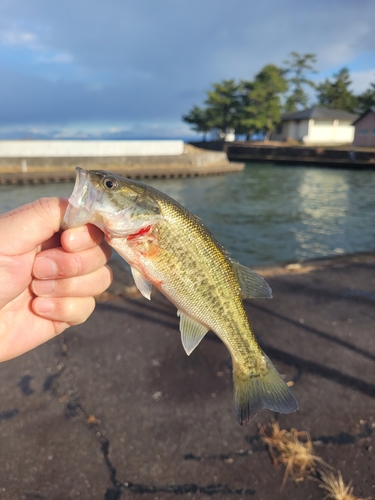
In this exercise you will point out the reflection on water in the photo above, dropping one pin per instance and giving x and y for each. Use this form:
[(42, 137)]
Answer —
[(266, 213), (323, 199)]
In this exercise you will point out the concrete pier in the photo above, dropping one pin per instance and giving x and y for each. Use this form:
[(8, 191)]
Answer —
[(192, 162), (91, 148), (308, 156)]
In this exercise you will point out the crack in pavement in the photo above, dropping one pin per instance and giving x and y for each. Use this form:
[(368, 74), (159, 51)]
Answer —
[(8, 414), (184, 489), (257, 445), (74, 409)]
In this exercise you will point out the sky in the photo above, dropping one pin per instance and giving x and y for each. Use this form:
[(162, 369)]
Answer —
[(129, 69)]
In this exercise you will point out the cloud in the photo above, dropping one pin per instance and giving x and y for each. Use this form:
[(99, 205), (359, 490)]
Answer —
[(17, 37), (59, 58), (125, 61)]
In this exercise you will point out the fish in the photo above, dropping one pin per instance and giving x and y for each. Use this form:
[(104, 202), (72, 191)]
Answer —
[(169, 248)]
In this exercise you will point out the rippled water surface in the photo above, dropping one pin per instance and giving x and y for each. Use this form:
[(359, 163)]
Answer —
[(266, 213)]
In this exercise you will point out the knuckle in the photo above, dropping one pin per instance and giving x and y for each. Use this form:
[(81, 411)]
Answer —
[(77, 309), (64, 287), (45, 206), (77, 263), (68, 309), (86, 309)]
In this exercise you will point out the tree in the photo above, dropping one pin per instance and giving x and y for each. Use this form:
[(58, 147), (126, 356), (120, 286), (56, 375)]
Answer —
[(265, 102), (223, 106), (247, 113), (367, 99), (298, 65), (199, 119), (336, 94)]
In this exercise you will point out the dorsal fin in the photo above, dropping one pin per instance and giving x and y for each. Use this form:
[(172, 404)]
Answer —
[(252, 285)]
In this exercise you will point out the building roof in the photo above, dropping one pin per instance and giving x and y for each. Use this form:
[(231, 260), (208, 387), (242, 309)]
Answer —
[(319, 113), (369, 110)]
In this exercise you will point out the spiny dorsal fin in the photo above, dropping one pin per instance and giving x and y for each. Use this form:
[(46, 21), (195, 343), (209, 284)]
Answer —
[(142, 284), (252, 285), (191, 333)]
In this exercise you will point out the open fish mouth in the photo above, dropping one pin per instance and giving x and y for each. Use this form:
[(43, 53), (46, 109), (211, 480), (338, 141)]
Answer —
[(80, 201), (79, 196)]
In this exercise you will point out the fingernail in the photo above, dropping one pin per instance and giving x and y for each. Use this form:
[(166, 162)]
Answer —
[(78, 239), (43, 287), (45, 268), (43, 306)]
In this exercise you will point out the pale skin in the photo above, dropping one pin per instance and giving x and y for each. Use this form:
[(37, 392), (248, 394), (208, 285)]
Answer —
[(48, 278)]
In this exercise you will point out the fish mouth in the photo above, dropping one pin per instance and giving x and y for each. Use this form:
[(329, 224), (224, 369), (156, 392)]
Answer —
[(79, 195), (80, 201)]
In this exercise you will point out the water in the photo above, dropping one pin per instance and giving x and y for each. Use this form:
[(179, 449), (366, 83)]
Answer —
[(267, 213)]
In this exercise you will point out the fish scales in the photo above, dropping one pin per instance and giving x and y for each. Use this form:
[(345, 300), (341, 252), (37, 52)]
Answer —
[(203, 283), (170, 248)]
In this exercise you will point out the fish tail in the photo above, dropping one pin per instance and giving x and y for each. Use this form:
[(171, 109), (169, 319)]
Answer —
[(264, 389)]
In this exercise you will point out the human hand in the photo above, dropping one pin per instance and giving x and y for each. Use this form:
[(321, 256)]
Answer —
[(47, 277)]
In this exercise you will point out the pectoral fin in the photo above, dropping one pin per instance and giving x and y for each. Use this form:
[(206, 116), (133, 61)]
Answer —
[(252, 285), (191, 333), (142, 284)]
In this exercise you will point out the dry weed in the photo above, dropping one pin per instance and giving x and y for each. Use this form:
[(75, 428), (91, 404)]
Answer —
[(294, 449), (336, 488)]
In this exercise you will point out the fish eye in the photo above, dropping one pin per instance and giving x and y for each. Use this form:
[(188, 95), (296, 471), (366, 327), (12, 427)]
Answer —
[(110, 183)]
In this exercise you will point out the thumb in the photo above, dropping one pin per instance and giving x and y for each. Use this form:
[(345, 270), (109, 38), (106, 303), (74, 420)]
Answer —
[(26, 227)]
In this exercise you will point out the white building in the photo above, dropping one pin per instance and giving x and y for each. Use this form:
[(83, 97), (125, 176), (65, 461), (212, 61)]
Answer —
[(316, 125), (218, 135)]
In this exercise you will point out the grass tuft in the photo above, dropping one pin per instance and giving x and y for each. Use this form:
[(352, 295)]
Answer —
[(294, 450), (336, 488)]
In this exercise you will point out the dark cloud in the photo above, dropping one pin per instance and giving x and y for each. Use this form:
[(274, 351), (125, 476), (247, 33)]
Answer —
[(149, 62)]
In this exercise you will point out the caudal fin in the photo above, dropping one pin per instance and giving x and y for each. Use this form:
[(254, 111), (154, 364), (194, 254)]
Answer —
[(264, 390)]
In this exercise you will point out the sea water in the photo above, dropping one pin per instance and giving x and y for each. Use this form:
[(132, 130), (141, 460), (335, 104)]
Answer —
[(265, 214)]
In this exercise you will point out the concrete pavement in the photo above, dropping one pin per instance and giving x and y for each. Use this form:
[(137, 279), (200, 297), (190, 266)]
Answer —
[(114, 409)]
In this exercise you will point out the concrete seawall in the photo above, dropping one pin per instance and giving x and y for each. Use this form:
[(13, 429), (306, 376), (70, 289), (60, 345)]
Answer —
[(88, 148), (314, 156), (192, 163)]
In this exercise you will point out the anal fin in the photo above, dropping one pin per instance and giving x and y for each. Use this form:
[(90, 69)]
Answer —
[(142, 284), (191, 332)]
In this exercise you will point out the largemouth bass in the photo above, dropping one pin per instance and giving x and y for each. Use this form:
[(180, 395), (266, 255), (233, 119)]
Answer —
[(168, 247)]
